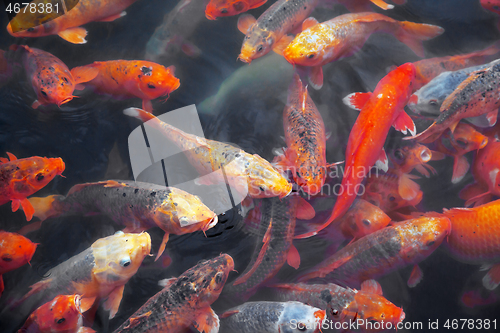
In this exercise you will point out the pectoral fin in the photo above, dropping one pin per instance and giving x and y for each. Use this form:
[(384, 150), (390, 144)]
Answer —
[(492, 279), (83, 74), (113, 302), (304, 210), (460, 168), (245, 22), (113, 17), (28, 209), (293, 257), (415, 276), (147, 105), (162, 246), (309, 22), (316, 77), (371, 286), (404, 123), (74, 35), (86, 303), (407, 188), (206, 321), (356, 101), (280, 45)]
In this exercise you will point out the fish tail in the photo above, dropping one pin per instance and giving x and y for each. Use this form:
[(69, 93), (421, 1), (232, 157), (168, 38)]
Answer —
[(412, 34), (44, 207)]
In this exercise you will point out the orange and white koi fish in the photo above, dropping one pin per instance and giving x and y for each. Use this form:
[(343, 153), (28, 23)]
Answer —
[(379, 111), (68, 25), (486, 171), (60, 315), (342, 36), (139, 206), (463, 140), (184, 301), (124, 79), (21, 178), (248, 174), (305, 138), (475, 96), (49, 76), (223, 8), (15, 251)]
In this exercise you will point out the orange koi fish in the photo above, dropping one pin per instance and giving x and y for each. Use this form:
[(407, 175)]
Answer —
[(427, 69), (50, 77), (463, 140), (61, 315), (184, 301), (124, 79), (98, 273), (475, 96), (363, 218), (344, 304), (305, 138), (269, 32), (342, 36), (485, 169), (15, 251), (249, 174), (68, 25), (223, 8), (379, 111), (21, 178), (385, 251)]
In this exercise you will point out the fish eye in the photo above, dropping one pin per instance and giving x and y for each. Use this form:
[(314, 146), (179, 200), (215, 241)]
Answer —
[(261, 188), (39, 177), (223, 11), (496, 7), (218, 278), (151, 86), (433, 102), (7, 258), (43, 93), (260, 48), (183, 220), (462, 143), (310, 55), (65, 79), (366, 222), (399, 154), (125, 262), (60, 320)]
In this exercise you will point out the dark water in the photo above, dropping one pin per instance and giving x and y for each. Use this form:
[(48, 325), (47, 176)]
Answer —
[(238, 103)]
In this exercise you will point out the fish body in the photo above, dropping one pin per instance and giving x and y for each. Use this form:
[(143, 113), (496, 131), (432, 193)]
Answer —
[(305, 138), (49, 76), (363, 218), (15, 251), (68, 25), (20, 178), (271, 317), (248, 174), (344, 35), (383, 251), (223, 8), (124, 79), (184, 301), (379, 111), (477, 95), (98, 273)]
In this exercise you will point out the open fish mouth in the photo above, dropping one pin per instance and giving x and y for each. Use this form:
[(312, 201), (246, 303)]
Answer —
[(213, 222)]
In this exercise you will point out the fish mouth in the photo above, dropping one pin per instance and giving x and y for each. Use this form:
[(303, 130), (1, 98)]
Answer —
[(78, 303), (287, 55), (425, 155), (210, 16), (212, 223), (245, 59), (483, 143), (66, 100), (413, 100)]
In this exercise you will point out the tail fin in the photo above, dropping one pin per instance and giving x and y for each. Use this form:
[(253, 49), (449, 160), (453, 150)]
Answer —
[(44, 207), (412, 34)]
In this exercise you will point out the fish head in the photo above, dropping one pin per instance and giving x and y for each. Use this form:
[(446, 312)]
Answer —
[(307, 318), (466, 139), (256, 44), (155, 80), (374, 308), (15, 251), (310, 177), (309, 48), (207, 279), (187, 211), (410, 155), (223, 8), (119, 256), (54, 85), (363, 218), (264, 181), (491, 5), (62, 314), (426, 233), (23, 25), (403, 76)]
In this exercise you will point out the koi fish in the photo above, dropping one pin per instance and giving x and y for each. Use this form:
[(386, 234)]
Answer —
[(342, 36), (68, 25), (473, 298), (379, 111), (124, 79), (50, 77), (463, 140), (15, 251), (363, 218), (184, 301), (475, 96), (491, 5), (98, 273), (171, 36), (485, 169), (255, 317), (474, 239), (385, 251), (62, 314), (305, 138), (249, 174), (344, 304), (223, 8), (427, 69), (21, 178), (138, 206)]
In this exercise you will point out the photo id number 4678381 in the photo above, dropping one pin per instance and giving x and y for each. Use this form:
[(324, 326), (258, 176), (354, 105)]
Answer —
[(35, 8)]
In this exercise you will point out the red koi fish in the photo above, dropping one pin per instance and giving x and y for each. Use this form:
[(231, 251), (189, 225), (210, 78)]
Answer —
[(15, 251), (385, 251), (427, 69), (475, 96), (21, 178), (305, 138), (61, 315), (67, 26), (342, 36), (486, 171), (379, 111), (184, 301), (363, 218), (50, 77), (223, 8), (124, 79), (463, 140)]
